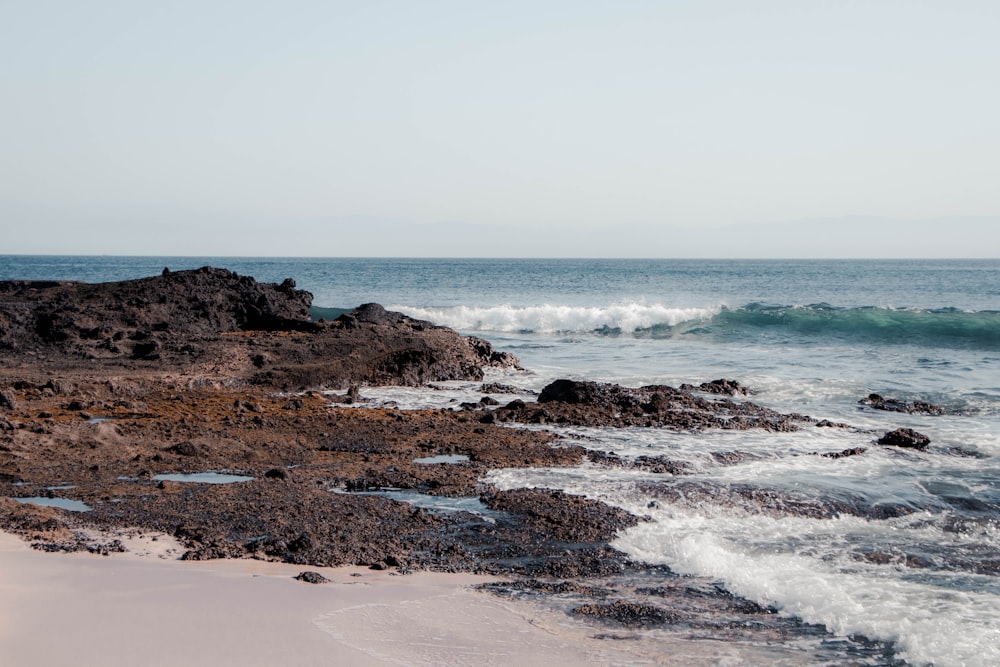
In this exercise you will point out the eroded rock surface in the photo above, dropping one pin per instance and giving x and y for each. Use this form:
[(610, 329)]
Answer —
[(585, 403), (214, 325)]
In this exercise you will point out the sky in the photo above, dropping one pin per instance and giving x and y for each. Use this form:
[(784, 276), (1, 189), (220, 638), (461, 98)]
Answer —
[(800, 128)]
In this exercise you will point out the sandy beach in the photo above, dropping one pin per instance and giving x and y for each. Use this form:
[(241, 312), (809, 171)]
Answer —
[(146, 608)]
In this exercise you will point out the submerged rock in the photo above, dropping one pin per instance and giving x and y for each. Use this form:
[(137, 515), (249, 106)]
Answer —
[(629, 614), (853, 451), (878, 402), (721, 386)]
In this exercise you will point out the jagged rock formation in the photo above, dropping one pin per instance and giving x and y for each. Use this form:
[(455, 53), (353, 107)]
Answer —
[(587, 403), (214, 325)]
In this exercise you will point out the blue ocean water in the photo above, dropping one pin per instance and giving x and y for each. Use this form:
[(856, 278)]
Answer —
[(912, 556)]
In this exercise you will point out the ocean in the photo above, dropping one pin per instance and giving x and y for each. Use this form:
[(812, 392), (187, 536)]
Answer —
[(894, 548)]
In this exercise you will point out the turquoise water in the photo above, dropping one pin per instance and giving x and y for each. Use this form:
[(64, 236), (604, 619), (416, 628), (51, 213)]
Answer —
[(906, 549)]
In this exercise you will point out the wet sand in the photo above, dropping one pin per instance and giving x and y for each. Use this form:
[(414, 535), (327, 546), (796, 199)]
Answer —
[(144, 607)]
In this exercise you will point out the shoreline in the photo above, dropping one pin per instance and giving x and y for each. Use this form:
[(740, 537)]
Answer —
[(126, 609)]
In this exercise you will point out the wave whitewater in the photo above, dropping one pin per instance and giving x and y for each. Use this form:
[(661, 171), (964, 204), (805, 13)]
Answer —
[(625, 317), (946, 327)]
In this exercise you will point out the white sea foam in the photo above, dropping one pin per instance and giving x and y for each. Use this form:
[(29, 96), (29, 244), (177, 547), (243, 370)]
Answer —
[(929, 624), (450, 394), (811, 568), (626, 317)]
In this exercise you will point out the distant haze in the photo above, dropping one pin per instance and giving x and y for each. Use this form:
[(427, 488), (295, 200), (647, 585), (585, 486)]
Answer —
[(721, 128)]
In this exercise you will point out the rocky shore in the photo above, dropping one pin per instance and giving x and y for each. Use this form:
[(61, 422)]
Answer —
[(111, 393)]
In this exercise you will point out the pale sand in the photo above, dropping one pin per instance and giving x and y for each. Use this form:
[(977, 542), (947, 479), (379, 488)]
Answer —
[(144, 608)]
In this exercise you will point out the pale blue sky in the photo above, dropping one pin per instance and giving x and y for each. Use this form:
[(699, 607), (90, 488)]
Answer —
[(428, 128)]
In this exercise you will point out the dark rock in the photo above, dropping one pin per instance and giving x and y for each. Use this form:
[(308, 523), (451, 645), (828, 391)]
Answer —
[(609, 405), (509, 588), (573, 391), (905, 437), (853, 451), (629, 614), (373, 313), (76, 405), (7, 400), (276, 473), (564, 516), (655, 464), (722, 386), (185, 449), (214, 314), (147, 350), (498, 388), (301, 543), (895, 405), (311, 577)]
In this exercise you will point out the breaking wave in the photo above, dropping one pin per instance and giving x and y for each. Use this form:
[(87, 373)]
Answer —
[(625, 317), (946, 327)]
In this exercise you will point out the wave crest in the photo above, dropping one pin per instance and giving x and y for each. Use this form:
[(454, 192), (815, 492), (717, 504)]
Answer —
[(625, 317), (945, 327)]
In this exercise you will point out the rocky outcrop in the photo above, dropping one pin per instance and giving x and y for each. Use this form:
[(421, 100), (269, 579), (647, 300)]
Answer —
[(565, 517), (311, 577), (587, 403), (215, 325), (135, 313), (905, 437), (878, 402)]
